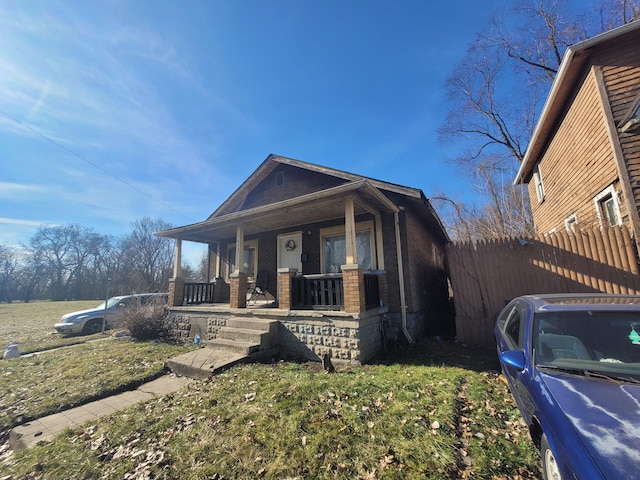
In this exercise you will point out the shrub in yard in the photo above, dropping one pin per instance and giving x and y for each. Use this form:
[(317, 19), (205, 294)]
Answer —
[(145, 322)]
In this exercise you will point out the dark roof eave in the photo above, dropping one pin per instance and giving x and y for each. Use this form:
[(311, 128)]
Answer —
[(201, 231)]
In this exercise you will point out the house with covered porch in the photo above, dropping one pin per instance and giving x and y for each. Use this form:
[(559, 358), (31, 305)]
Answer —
[(330, 262)]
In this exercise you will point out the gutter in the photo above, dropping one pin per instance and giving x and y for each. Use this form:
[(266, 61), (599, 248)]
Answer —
[(403, 301)]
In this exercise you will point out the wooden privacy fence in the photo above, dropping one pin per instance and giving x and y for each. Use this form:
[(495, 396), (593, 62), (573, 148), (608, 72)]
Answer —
[(485, 275)]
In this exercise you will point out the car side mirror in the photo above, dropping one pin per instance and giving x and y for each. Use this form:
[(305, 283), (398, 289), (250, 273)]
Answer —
[(515, 358)]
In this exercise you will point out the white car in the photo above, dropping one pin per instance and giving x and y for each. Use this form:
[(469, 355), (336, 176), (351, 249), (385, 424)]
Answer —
[(90, 321)]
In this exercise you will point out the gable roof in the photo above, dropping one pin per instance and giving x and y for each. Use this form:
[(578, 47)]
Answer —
[(317, 206), (273, 161), (571, 67)]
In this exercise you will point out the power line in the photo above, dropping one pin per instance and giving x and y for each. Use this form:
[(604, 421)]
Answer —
[(95, 165)]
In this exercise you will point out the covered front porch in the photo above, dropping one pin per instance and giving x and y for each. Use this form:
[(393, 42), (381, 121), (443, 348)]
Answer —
[(288, 241)]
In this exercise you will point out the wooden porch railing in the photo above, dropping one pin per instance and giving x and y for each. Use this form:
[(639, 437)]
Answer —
[(321, 292), (197, 293), (326, 292)]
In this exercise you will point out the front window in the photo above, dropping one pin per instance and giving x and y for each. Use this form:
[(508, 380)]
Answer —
[(249, 260), (607, 207), (334, 248), (592, 341)]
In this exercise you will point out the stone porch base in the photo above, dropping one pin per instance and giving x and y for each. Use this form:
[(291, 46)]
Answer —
[(303, 335)]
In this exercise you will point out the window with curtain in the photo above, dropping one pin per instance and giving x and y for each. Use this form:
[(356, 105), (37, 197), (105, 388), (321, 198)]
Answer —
[(335, 251)]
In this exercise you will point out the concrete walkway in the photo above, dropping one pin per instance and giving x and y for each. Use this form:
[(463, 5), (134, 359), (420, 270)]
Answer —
[(197, 364), (45, 428)]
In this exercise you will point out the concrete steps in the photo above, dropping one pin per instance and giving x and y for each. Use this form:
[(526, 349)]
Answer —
[(241, 340)]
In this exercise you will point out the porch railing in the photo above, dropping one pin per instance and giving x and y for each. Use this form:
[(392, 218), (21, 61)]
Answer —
[(326, 292), (320, 292), (197, 293)]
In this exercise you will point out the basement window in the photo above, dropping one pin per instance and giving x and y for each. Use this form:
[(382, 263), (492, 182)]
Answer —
[(607, 207), (571, 222)]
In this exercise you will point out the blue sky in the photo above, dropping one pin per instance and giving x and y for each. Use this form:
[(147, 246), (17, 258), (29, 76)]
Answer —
[(114, 110)]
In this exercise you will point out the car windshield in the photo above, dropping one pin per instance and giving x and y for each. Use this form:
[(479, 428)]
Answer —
[(606, 343), (110, 303)]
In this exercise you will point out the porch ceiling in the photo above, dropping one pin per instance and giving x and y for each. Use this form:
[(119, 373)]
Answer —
[(316, 207)]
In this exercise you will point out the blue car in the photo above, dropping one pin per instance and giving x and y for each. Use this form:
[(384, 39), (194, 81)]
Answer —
[(572, 363)]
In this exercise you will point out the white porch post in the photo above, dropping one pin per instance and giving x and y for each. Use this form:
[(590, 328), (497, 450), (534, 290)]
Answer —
[(238, 279), (177, 259), (350, 231), (239, 247), (379, 243)]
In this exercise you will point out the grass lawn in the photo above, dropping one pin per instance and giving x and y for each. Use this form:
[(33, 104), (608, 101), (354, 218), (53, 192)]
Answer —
[(435, 410), (31, 324)]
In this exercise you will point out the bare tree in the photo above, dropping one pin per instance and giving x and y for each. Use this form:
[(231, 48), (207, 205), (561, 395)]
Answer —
[(148, 258), (8, 266), (494, 97), (69, 254)]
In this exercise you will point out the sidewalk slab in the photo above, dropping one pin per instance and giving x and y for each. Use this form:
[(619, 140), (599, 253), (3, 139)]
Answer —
[(43, 429)]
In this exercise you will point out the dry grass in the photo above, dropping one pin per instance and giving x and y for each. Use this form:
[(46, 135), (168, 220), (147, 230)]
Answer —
[(434, 410), (31, 324)]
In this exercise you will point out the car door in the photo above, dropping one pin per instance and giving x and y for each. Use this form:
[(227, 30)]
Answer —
[(516, 337)]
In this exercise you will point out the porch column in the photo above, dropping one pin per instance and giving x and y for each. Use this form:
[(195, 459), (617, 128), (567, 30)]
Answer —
[(379, 243), (353, 284), (238, 279), (176, 284), (177, 259), (239, 247), (285, 275), (350, 231)]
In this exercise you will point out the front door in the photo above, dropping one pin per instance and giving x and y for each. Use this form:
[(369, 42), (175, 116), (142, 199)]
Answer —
[(289, 252)]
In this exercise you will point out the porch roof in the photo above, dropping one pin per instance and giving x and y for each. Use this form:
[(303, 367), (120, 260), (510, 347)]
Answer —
[(314, 207)]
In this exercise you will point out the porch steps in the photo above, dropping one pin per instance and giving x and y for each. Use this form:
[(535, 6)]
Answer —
[(241, 340)]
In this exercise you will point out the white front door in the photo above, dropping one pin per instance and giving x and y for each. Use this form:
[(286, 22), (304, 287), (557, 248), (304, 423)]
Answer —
[(289, 252)]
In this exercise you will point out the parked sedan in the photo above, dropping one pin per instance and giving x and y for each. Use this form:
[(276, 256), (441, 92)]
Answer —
[(573, 366), (90, 321)]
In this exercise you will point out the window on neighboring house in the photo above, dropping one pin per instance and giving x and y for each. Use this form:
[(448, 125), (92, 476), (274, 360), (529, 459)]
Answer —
[(250, 258), (279, 179), (334, 247), (630, 123), (607, 207), (571, 222), (537, 178)]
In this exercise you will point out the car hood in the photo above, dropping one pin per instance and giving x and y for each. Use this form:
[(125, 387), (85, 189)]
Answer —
[(605, 415), (89, 311)]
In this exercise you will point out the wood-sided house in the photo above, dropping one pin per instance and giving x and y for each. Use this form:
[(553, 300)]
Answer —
[(582, 165), (344, 262)]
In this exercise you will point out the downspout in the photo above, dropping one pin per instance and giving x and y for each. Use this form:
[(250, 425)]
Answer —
[(403, 301)]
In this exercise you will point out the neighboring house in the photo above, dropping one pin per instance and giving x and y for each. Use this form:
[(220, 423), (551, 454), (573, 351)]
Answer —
[(582, 165), (346, 261)]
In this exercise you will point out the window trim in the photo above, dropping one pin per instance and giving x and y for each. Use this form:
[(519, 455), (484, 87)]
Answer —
[(571, 222), (538, 183), (340, 230), (599, 199)]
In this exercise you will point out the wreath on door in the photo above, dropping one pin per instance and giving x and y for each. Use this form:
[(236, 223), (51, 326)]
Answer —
[(290, 245)]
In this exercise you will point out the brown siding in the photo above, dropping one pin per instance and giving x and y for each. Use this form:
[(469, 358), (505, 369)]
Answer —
[(297, 182), (621, 73), (577, 164)]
